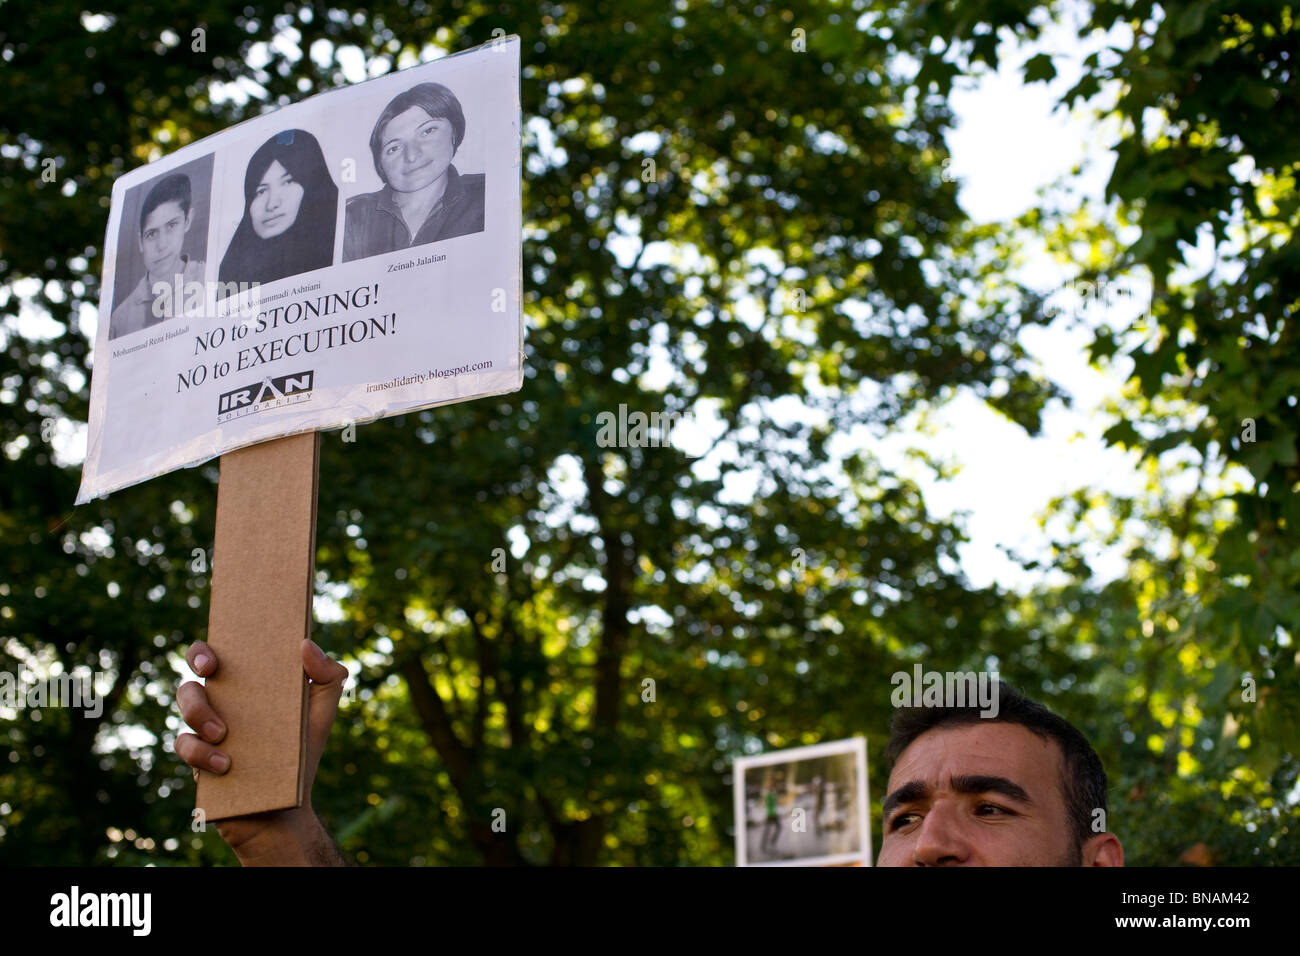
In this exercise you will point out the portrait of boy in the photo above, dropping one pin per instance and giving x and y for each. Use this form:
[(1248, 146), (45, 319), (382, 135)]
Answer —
[(167, 225)]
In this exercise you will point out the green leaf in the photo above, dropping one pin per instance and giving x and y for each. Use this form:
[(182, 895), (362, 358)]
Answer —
[(1190, 18), (1122, 433), (1284, 452), (1039, 69)]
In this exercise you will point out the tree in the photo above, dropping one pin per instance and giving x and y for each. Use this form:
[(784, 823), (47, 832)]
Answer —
[(1217, 577), (735, 214), (758, 261), (1202, 625)]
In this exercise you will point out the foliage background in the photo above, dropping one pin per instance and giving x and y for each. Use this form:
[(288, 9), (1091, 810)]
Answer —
[(766, 620)]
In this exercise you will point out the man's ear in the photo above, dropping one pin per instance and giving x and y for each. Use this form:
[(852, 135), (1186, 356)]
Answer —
[(189, 218), (1104, 849)]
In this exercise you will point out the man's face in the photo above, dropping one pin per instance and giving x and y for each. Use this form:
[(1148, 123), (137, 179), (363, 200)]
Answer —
[(981, 794), (416, 149), (162, 238)]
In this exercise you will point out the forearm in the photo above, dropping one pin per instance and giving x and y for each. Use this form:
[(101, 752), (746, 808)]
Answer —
[(296, 838)]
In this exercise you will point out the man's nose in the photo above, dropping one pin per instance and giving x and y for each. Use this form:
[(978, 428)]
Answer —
[(940, 840)]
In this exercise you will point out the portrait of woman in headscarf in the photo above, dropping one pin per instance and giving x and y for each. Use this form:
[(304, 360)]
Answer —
[(290, 208), (425, 198)]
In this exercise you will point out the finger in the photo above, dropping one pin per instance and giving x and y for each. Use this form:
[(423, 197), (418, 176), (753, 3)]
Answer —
[(322, 671), (198, 713), (202, 659), (201, 755), (327, 680)]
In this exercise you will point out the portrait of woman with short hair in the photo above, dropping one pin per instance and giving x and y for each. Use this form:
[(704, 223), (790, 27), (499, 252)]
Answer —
[(425, 198), (290, 209)]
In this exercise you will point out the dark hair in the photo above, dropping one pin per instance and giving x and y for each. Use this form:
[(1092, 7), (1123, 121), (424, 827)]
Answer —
[(435, 99), (309, 242), (173, 188), (1083, 784)]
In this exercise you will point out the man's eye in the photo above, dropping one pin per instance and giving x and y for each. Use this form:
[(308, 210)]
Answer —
[(901, 820), (984, 808)]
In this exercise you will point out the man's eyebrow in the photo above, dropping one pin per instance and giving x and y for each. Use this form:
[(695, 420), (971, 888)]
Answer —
[(981, 783), (965, 783), (912, 790)]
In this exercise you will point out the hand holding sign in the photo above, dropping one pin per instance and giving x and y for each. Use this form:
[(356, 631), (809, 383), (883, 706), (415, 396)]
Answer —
[(284, 837)]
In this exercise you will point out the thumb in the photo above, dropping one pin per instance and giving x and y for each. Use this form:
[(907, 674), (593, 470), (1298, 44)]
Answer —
[(327, 680), (324, 672)]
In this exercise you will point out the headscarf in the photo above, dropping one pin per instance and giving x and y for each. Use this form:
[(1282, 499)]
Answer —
[(307, 244)]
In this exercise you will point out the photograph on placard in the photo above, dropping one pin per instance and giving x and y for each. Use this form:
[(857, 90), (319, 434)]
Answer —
[(162, 245), (288, 212), (805, 806), (425, 197)]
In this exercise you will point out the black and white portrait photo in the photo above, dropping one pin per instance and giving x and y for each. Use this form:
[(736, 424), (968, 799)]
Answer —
[(425, 198), (290, 207), (163, 239)]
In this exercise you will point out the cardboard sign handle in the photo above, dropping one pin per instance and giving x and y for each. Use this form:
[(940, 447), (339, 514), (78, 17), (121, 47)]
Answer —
[(263, 567)]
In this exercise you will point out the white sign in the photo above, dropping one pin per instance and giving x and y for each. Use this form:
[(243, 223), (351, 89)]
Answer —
[(805, 806), (350, 257)]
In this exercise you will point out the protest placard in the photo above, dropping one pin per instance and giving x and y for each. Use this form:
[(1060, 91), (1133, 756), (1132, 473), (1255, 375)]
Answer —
[(350, 257)]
